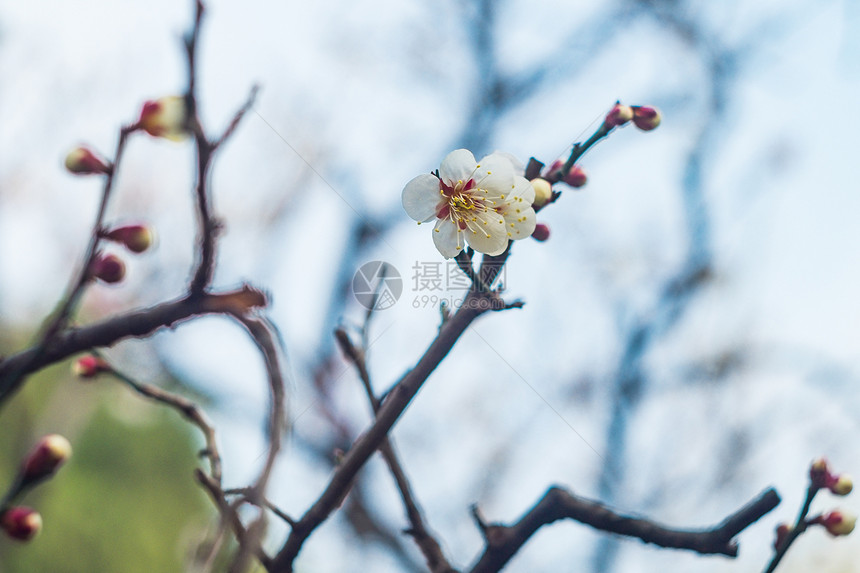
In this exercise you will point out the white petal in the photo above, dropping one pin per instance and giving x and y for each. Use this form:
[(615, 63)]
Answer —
[(421, 197), (520, 220), (524, 190), (488, 234), (519, 168), (494, 174), (448, 238), (457, 166)]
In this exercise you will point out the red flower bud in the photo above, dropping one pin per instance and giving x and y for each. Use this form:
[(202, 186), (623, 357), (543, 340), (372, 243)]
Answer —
[(836, 522), (135, 238), (165, 117), (108, 268), (576, 177), (541, 232), (618, 115), (89, 366), (646, 118), (21, 523), (82, 161), (50, 453), (819, 473)]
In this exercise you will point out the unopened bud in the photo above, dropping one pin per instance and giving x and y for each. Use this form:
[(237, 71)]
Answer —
[(782, 531), (82, 161), (108, 268), (165, 117), (819, 472), (50, 453), (576, 177), (541, 232), (646, 118), (618, 115), (543, 192), (89, 366), (135, 238), (837, 522), (842, 485), (21, 523)]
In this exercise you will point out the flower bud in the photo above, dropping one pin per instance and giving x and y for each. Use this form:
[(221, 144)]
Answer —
[(618, 115), (82, 161), (841, 485), (782, 531), (541, 232), (819, 472), (837, 522), (89, 366), (553, 170), (108, 268), (543, 192), (50, 453), (21, 523), (576, 177), (165, 117), (646, 118), (135, 238)]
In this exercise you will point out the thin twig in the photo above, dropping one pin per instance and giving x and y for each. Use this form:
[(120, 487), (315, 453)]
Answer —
[(425, 540), (188, 409)]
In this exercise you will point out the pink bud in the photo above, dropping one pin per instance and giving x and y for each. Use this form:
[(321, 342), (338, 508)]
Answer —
[(21, 523), (819, 473), (541, 232), (89, 366), (576, 177), (646, 118), (837, 522), (165, 117), (49, 454), (82, 161), (618, 115), (108, 268), (135, 238)]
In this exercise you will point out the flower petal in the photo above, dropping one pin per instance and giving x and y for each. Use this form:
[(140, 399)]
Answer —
[(448, 238), (494, 173), (487, 234), (457, 166), (523, 189), (421, 197)]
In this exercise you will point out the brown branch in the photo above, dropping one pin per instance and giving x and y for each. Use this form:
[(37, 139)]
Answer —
[(14, 377), (425, 540), (396, 401), (503, 541), (230, 516), (138, 324)]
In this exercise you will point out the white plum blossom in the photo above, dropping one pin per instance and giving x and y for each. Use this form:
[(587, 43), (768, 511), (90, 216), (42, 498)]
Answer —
[(482, 203)]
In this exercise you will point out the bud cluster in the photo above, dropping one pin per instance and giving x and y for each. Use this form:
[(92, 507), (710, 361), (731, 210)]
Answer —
[(821, 477), (645, 118), (20, 522)]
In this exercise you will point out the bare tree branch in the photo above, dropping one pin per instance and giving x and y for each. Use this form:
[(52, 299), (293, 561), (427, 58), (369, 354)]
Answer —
[(503, 541)]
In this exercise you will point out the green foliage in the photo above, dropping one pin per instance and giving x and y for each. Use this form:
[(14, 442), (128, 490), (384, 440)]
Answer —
[(126, 501)]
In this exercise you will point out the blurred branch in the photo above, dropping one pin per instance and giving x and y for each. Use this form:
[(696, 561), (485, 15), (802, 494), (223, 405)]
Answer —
[(265, 340), (503, 541)]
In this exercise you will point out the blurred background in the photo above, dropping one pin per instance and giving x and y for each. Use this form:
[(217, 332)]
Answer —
[(689, 337)]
